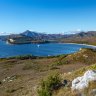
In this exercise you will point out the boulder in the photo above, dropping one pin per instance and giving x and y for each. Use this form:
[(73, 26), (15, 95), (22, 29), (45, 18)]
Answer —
[(82, 82)]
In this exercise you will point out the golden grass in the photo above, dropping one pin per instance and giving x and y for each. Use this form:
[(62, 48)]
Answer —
[(66, 91)]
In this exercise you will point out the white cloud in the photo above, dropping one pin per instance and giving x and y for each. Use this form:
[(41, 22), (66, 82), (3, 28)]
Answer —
[(3, 33), (73, 31), (78, 30)]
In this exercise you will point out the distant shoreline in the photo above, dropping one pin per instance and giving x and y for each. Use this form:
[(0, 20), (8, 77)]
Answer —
[(80, 44)]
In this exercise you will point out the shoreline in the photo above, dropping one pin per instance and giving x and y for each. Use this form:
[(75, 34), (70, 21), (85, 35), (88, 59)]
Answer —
[(80, 44)]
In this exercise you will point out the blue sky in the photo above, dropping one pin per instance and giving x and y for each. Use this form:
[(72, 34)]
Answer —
[(50, 16)]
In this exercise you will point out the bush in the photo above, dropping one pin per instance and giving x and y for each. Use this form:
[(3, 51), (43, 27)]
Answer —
[(23, 57), (0, 82), (10, 90), (49, 85)]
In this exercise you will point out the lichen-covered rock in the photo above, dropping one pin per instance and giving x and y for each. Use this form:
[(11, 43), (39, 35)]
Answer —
[(82, 82)]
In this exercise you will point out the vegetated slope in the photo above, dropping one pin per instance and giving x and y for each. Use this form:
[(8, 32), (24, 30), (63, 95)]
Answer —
[(67, 91), (82, 38), (21, 76), (84, 56)]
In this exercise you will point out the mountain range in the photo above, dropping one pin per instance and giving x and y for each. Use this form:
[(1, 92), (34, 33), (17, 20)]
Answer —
[(40, 36), (81, 37), (32, 34)]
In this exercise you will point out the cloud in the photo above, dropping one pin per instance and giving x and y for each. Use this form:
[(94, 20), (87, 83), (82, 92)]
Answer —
[(78, 30), (73, 31), (3, 33)]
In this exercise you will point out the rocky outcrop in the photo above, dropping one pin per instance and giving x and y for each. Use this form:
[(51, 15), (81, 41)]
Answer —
[(82, 82)]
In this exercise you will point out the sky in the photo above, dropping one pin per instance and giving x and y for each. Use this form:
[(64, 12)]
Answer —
[(48, 16)]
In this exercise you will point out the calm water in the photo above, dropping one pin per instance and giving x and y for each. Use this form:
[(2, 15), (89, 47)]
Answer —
[(50, 49)]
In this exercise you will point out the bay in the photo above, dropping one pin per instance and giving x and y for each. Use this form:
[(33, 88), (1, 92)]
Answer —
[(48, 49)]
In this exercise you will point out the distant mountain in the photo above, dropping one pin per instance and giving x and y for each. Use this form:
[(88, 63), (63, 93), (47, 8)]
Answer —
[(82, 37), (80, 34), (29, 33), (36, 35), (86, 34)]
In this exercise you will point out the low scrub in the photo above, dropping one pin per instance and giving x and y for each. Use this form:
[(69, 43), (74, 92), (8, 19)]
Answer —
[(23, 57), (84, 56), (49, 85)]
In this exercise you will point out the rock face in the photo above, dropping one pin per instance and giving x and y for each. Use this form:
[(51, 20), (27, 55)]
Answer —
[(80, 83)]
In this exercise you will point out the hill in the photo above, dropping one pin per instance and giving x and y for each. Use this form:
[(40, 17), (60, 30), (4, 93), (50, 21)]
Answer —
[(42, 36), (83, 56), (32, 37), (82, 38), (21, 76), (67, 91)]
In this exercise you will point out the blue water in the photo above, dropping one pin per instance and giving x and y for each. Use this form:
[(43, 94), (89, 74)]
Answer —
[(49, 49)]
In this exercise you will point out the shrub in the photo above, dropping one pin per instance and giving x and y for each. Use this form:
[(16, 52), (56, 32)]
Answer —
[(23, 57), (49, 85), (10, 90), (0, 82)]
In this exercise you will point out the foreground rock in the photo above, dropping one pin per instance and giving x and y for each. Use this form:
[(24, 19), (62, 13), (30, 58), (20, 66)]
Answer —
[(9, 79), (81, 83)]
